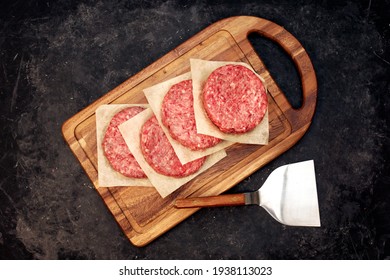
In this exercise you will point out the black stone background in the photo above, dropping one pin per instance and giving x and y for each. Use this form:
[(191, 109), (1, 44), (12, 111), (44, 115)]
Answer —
[(56, 57)]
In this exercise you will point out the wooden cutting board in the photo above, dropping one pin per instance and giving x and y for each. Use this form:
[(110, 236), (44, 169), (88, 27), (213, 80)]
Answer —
[(141, 212)]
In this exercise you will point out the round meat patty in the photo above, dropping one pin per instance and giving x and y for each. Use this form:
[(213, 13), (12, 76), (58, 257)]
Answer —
[(177, 115), (159, 154), (115, 148), (234, 99)]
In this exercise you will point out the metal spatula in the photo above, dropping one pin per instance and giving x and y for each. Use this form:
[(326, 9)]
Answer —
[(289, 195)]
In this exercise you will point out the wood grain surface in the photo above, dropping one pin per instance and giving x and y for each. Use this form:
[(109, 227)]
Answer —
[(141, 212)]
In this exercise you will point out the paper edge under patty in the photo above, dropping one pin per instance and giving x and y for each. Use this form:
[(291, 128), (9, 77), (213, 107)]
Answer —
[(155, 96), (107, 176), (165, 185), (200, 71)]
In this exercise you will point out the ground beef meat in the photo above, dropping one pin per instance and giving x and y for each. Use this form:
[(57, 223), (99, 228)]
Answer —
[(234, 99), (159, 154), (115, 148), (177, 115)]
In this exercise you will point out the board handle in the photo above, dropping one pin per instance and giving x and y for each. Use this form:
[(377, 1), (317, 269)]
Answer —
[(298, 116), (211, 201)]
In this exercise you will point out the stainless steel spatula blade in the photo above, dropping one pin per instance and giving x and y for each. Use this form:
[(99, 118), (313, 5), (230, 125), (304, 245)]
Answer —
[(289, 195)]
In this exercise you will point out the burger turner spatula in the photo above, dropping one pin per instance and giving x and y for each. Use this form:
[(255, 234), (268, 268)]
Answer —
[(289, 195)]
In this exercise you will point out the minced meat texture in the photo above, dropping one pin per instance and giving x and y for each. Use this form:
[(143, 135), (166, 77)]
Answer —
[(177, 115), (159, 154), (234, 99), (115, 148)]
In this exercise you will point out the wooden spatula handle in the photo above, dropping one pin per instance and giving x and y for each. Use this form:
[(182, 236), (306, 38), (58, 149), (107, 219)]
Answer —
[(211, 201)]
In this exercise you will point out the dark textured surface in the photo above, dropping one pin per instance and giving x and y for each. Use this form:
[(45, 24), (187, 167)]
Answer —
[(58, 56)]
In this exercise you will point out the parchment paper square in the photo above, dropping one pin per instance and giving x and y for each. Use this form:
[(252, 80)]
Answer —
[(200, 71)]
